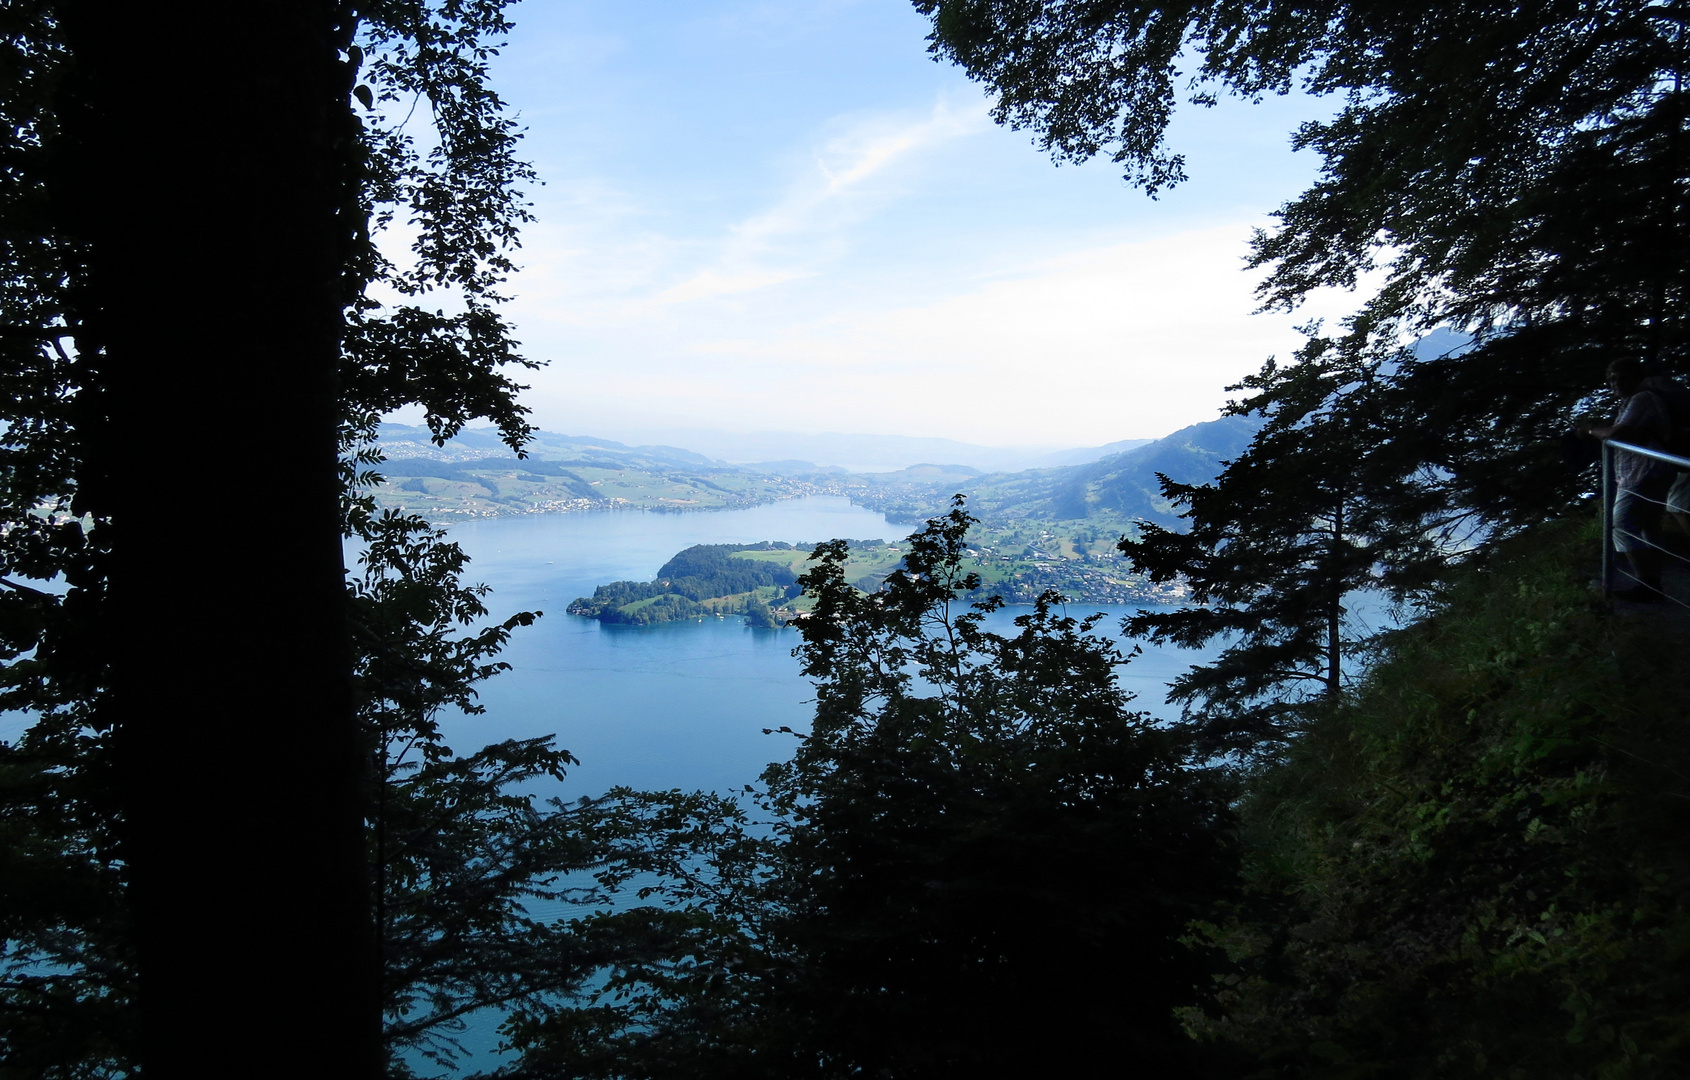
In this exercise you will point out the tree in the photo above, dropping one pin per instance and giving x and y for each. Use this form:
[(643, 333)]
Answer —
[(458, 847), (188, 249), (980, 863), (1474, 865), (1277, 547), (952, 776), (455, 852), (1515, 171), (204, 679)]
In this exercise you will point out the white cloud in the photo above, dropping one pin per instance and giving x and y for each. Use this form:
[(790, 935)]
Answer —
[(599, 257), (1126, 340), (889, 281), (832, 191)]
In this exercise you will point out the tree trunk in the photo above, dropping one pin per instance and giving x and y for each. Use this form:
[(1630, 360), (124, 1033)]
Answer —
[(1335, 608), (208, 180)]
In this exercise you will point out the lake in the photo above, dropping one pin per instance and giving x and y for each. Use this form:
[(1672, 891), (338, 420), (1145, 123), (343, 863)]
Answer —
[(677, 704)]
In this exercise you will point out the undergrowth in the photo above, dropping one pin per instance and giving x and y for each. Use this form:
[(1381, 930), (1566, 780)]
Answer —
[(1478, 864)]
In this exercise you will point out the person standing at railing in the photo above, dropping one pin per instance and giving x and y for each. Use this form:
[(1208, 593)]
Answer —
[(1645, 419), (1677, 400)]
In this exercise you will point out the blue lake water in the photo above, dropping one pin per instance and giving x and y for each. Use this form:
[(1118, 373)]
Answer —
[(677, 705)]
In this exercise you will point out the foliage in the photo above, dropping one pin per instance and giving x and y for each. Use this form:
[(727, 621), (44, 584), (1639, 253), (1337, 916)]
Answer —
[(706, 570), (758, 614), (701, 572), (66, 962), (1277, 546), (456, 855), (463, 200), (457, 851), (1475, 865), (1472, 864), (690, 985), (66, 970), (974, 828), (1515, 172)]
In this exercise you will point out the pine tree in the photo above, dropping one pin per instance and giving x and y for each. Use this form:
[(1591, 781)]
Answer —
[(1276, 549)]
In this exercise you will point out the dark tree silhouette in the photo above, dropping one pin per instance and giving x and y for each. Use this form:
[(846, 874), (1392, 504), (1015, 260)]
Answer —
[(210, 195), (979, 863), (1276, 548), (189, 199), (1515, 172)]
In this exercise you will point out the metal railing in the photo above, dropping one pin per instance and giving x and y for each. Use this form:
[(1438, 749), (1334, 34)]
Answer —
[(1611, 489)]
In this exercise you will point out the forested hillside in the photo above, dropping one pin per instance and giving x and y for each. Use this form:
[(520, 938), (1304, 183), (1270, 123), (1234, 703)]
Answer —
[(758, 581), (1474, 865)]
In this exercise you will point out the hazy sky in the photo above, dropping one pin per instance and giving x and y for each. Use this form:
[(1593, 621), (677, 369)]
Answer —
[(785, 216)]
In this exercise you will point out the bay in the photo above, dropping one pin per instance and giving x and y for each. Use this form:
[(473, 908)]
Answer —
[(656, 707), (676, 705)]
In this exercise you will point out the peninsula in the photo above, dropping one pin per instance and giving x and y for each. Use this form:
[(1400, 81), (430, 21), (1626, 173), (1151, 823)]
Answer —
[(760, 581)]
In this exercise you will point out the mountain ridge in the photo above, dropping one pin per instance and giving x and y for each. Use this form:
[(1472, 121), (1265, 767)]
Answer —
[(476, 475)]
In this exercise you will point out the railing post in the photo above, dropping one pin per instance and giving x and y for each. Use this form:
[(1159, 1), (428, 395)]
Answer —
[(1607, 519)]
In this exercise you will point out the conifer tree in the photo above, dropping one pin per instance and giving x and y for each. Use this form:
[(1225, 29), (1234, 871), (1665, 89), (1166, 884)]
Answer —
[(1275, 550)]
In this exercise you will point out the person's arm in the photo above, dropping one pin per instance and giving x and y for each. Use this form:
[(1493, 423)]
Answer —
[(1635, 423)]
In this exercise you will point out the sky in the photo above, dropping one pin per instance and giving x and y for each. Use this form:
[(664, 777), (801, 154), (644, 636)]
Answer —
[(786, 216)]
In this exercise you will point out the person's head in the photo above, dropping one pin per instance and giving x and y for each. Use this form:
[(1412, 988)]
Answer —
[(1625, 375)]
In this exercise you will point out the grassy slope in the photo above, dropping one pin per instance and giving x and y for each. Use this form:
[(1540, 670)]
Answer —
[(1479, 865)]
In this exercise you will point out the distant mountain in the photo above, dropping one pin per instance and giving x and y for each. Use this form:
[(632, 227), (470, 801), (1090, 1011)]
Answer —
[(1122, 485), (407, 442), (475, 473), (794, 468), (927, 471), (776, 453), (857, 453), (1127, 482), (1086, 454)]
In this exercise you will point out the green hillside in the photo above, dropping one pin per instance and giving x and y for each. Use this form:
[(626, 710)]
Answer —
[(758, 581), (1039, 529), (1113, 491), (1475, 864), (475, 475)]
